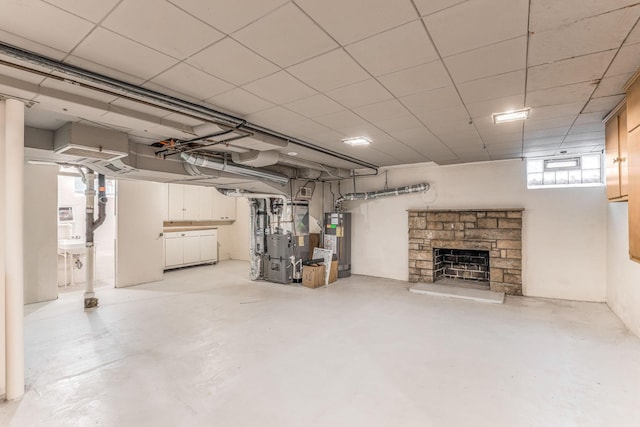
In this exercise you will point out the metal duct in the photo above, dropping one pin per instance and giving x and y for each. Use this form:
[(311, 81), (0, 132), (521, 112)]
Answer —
[(256, 159), (207, 162), (88, 79), (416, 188)]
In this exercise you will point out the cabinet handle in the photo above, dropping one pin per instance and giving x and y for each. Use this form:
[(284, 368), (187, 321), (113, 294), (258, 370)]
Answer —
[(616, 160), (622, 159)]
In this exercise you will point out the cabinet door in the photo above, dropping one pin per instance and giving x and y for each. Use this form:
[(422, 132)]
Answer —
[(633, 105), (176, 195), (190, 202), (208, 248), (612, 164), (623, 154), (634, 194), (173, 252), (205, 197), (191, 249), (223, 207)]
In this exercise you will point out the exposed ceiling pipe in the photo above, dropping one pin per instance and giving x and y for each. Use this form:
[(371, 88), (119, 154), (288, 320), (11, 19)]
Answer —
[(222, 165), (416, 188), (152, 97)]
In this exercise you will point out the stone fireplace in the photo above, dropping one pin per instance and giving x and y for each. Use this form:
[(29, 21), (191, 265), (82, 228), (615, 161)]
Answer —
[(473, 244)]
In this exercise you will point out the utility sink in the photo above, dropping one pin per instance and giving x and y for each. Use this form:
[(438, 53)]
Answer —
[(72, 246)]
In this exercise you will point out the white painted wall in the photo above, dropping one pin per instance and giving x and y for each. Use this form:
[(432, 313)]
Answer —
[(564, 231), (240, 231), (623, 275), (40, 233)]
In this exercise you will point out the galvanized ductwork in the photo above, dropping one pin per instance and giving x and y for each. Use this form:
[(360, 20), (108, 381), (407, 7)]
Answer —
[(399, 191), (223, 165)]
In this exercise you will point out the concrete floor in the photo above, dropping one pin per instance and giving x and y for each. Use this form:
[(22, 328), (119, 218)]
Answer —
[(208, 347)]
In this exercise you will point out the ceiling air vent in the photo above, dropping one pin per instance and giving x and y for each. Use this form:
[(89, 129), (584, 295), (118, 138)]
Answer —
[(91, 142)]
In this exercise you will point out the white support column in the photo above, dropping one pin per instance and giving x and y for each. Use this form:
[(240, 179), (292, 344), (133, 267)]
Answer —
[(14, 256), (3, 305)]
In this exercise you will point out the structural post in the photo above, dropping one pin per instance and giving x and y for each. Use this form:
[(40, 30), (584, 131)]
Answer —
[(3, 305), (14, 256)]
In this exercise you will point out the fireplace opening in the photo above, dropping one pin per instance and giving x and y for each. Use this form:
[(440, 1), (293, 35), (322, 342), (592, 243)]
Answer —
[(461, 264)]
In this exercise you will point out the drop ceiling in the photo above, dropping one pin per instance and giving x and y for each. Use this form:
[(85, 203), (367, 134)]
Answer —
[(419, 78)]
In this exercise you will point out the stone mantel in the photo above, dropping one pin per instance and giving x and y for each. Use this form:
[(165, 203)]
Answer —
[(498, 231)]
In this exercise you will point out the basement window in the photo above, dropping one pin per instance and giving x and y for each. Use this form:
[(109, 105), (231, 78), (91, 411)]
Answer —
[(555, 172)]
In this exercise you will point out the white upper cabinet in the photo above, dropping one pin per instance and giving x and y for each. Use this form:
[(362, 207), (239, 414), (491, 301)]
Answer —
[(198, 203)]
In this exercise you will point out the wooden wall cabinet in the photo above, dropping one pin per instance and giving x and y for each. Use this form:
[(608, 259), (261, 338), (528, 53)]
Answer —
[(633, 153), (616, 159), (199, 203)]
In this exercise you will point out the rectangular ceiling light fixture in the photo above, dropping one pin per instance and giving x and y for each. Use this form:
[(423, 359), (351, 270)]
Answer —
[(511, 116), (358, 140)]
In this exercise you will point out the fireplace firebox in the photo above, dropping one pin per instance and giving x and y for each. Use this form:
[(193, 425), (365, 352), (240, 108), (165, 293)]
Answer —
[(461, 264)]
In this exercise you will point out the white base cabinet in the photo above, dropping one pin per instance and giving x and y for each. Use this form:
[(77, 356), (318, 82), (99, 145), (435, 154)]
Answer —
[(183, 248)]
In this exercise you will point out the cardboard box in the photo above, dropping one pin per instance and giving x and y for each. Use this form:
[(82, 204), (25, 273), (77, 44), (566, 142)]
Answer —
[(314, 241), (313, 276), (333, 273)]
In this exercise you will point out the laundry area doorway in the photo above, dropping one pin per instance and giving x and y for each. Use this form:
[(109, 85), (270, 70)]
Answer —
[(72, 260)]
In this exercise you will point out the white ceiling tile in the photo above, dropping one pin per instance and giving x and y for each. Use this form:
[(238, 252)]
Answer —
[(240, 101), (191, 81), (32, 46), (92, 11), (493, 87), (546, 141), (586, 118), (568, 71), (329, 71), (279, 88), (356, 19), (382, 110), (124, 106), (559, 110), (313, 106), (506, 138), (398, 123), (626, 61), (589, 136), (612, 85), (341, 120), (363, 93), (498, 58), (590, 35), (579, 92), (634, 35), (487, 128), (545, 133), (606, 103), (155, 24), (498, 105), (393, 50), (432, 100), (450, 118), (228, 15), (586, 128), (286, 36), (101, 69), (427, 7), (547, 14), (477, 23), (549, 123), (166, 91), (283, 120), (231, 61), (416, 79), (34, 20), (114, 51)]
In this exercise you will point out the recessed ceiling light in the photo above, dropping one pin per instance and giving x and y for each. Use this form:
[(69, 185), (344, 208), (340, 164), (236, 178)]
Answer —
[(358, 140), (292, 153), (511, 116)]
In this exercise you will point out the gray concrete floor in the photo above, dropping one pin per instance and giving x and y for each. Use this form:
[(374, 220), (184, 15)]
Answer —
[(208, 347)]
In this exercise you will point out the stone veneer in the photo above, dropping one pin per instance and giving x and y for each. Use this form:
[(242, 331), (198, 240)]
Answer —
[(498, 231)]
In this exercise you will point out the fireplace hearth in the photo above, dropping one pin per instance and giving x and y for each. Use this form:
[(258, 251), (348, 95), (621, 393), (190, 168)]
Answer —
[(466, 236)]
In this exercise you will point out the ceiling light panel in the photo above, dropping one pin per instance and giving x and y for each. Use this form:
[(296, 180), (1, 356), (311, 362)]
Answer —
[(357, 141), (511, 116)]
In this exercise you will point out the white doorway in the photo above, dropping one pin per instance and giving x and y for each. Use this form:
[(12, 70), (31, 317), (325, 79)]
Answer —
[(71, 235)]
